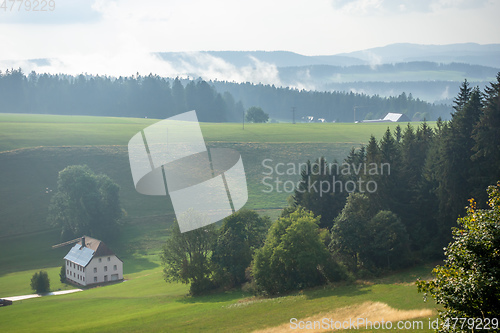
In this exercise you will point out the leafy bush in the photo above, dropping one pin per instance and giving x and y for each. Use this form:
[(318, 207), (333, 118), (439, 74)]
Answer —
[(468, 284), (40, 282)]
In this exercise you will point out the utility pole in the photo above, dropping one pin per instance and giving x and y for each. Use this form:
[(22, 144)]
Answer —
[(293, 114)]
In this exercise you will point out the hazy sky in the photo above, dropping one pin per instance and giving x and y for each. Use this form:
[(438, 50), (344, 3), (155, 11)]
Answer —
[(107, 36)]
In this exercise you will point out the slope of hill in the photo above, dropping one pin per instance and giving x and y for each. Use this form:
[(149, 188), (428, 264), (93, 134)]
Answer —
[(35, 148)]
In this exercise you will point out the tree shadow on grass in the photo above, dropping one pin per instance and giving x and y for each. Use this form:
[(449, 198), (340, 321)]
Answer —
[(342, 289), (135, 265), (215, 297), (349, 290)]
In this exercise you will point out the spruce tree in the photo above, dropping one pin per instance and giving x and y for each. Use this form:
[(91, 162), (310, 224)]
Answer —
[(486, 136)]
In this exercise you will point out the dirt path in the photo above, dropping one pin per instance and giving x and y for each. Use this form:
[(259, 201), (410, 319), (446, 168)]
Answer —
[(62, 292)]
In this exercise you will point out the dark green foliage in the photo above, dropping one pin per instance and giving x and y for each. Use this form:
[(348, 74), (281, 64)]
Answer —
[(62, 274), (387, 244), (363, 238), (331, 105), (240, 235), (256, 115), (293, 256), (317, 191), (85, 203), (454, 172), (349, 233), (463, 96), (40, 282), (468, 284), (186, 257), (486, 135), (148, 96), (156, 97)]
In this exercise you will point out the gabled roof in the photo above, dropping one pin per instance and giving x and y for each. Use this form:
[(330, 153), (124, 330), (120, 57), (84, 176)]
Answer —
[(396, 117), (97, 246), (82, 255)]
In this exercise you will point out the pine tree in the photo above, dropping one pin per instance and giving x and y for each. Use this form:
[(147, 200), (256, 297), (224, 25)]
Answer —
[(179, 97), (486, 136), (463, 96)]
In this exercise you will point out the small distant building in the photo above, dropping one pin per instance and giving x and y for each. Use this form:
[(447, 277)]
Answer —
[(90, 261), (396, 117), (390, 117)]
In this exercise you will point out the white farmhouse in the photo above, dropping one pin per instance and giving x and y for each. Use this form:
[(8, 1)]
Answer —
[(90, 261)]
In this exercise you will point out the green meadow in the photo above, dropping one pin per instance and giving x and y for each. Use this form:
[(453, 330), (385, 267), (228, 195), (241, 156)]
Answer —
[(34, 148)]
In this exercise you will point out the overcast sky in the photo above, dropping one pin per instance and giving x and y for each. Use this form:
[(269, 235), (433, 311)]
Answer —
[(113, 36)]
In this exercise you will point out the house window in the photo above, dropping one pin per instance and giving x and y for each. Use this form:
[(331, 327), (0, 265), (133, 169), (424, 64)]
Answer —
[(114, 267), (105, 268), (95, 278), (105, 278), (67, 272), (95, 269), (100, 259), (109, 258)]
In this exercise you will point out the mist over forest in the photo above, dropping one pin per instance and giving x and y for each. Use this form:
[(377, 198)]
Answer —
[(153, 96)]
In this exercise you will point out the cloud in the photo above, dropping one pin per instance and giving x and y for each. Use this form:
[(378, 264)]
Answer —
[(373, 59), (403, 6), (134, 60)]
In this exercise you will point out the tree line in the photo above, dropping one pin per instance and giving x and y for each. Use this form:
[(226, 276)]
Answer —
[(340, 235), (332, 105), (137, 96), (215, 101)]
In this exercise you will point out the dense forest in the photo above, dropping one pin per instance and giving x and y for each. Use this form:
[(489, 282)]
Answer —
[(391, 220), (331, 106), (215, 101)]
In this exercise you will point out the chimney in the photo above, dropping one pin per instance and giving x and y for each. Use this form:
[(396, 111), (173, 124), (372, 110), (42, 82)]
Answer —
[(83, 241)]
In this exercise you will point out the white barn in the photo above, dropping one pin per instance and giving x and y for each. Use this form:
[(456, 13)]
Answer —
[(90, 261)]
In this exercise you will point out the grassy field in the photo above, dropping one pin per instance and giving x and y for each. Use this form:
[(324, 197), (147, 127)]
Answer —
[(34, 148), (23, 130), (145, 303)]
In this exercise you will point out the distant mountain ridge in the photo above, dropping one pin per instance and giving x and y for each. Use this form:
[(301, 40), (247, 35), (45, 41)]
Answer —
[(278, 58), (470, 53), (431, 72)]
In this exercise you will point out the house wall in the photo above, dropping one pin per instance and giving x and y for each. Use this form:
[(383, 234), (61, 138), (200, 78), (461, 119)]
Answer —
[(76, 273), (102, 269)]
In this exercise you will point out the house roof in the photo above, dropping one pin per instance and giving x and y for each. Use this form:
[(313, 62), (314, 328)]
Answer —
[(396, 117), (97, 246), (82, 255)]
